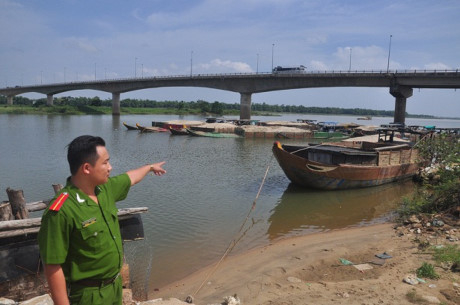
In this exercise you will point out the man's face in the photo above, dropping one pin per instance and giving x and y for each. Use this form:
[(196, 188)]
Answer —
[(100, 172)]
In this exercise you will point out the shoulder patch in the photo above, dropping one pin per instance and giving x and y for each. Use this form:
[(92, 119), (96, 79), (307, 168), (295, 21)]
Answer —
[(56, 205)]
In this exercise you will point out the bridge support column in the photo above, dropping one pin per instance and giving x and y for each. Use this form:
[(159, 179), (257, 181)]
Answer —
[(9, 100), (115, 103), (401, 93), (245, 106), (49, 100)]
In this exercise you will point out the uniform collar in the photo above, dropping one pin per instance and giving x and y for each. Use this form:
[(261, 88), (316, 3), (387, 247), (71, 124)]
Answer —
[(80, 196)]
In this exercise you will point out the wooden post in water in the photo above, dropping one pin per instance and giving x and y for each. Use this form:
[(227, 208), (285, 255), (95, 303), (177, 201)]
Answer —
[(5, 211), (18, 203), (57, 188)]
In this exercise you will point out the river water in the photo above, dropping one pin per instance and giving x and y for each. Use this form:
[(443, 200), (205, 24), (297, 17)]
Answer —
[(198, 207)]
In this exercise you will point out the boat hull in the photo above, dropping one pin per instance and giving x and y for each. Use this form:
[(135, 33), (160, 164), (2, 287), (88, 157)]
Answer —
[(129, 127), (178, 132), (143, 129), (211, 134), (343, 176)]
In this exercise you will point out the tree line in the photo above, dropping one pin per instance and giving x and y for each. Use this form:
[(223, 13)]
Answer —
[(215, 107)]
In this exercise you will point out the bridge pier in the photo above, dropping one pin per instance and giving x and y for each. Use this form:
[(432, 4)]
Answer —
[(115, 103), (9, 100), (49, 100), (401, 93), (245, 106)]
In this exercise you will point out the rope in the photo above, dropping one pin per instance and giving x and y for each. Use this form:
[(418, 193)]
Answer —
[(235, 240), (308, 147)]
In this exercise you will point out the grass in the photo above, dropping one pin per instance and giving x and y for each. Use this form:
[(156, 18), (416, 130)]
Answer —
[(427, 271), (447, 254)]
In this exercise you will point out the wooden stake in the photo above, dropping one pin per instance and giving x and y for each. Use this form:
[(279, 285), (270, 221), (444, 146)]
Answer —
[(57, 187), (5, 211), (18, 203)]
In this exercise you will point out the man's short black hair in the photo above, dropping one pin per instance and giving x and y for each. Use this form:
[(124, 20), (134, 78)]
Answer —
[(83, 150)]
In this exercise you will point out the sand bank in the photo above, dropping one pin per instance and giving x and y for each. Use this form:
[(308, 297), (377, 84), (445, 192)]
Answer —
[(308, 270)]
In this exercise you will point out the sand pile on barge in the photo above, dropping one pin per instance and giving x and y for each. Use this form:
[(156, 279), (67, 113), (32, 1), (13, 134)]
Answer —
[(184, 122), (271, 132), (289, 124), (216, 127)]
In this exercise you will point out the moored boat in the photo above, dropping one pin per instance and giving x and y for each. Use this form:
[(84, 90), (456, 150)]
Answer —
[(130, 127), (345, 165), (211, 134), (178, 131), (336, 135), (150, 129)]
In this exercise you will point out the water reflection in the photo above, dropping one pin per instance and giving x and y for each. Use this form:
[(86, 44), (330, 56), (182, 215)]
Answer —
[(301, 210), (116, 122)]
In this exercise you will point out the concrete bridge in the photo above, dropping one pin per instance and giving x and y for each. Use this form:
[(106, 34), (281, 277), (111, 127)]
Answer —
[(400, 84)]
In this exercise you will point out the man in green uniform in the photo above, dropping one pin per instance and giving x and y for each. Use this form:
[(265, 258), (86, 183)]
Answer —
[(80, 241)]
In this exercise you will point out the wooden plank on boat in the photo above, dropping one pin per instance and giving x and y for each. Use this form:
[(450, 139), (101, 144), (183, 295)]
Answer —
[(125, 213), (31, 206), (405, 156), (20, 223), (37, 205), (395, 157), (19, 232), (12, 228), (393, 147), (384, 158)]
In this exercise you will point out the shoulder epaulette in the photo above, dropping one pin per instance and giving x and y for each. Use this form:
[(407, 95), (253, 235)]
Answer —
[(57, 204)]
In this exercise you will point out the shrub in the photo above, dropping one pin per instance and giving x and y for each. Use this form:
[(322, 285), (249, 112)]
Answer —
[(427, 271), (440, 190)]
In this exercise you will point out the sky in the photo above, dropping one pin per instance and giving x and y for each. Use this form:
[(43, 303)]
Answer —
[(48, 41)]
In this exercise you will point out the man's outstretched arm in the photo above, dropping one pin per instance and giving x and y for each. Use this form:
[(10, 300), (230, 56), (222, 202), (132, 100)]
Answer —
[(136, 175)]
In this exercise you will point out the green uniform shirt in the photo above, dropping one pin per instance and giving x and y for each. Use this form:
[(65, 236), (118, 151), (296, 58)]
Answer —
[(82, 236)]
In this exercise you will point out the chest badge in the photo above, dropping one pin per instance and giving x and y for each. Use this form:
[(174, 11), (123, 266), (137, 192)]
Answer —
[(88, 222)]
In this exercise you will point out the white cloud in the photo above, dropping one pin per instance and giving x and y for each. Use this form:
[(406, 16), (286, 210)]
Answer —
[(437, 66), (217, 65), (317, 66)]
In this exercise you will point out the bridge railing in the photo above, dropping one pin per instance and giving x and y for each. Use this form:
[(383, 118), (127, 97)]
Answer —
[(253, 74)]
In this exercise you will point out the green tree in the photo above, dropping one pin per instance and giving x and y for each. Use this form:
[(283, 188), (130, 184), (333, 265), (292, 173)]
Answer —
[(96, 101), (217, 108), (203, 106)]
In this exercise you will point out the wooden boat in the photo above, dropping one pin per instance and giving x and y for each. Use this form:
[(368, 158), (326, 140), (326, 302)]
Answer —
[(329, 135), (150, 129), (344, 165), (19, 247), (178, 131), (130, 127), (365, 118), (197, 133)]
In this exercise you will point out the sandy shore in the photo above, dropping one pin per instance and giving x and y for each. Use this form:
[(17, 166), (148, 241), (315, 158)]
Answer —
[(308, 270)]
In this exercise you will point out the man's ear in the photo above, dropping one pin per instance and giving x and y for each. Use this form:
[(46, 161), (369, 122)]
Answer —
[(86, 168)]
